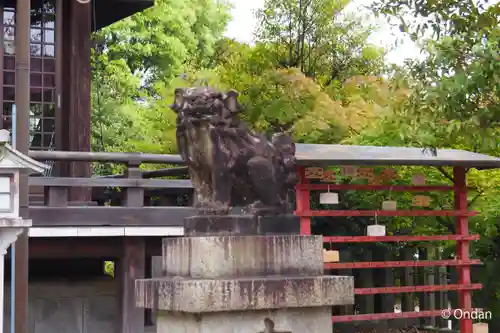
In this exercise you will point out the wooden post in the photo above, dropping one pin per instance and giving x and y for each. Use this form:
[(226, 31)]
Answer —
[(346, 256), (407, 300), (23, 22), (134, 196), (384, 277), (442, 300), (131, 267), (421, 280), (76, 90), (453, 297), (368, 301), (462, 223), (387, 301), (132, 263), (303, 203), (56, 196), (430, 280)]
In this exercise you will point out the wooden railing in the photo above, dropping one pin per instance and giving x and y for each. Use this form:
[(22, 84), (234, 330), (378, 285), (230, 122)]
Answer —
[(131, 198)]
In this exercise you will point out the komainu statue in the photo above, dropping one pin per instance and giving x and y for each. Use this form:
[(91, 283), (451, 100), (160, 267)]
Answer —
[(227, 162)]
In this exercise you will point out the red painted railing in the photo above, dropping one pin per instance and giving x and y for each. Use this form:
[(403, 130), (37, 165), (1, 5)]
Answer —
[(464, 286)]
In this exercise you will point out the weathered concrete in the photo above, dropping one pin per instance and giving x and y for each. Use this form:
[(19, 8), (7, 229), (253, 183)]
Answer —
[(239, 256), (257, 293), (233, 283), (317, 320)]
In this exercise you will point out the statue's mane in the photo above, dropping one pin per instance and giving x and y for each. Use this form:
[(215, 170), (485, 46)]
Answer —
[(216, 145), (205, 102)]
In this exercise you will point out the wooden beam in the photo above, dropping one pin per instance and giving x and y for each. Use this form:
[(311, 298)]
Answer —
[(110, 182), (60, 248), (109, 216), (88, 247), (132, 266), (112, 157)]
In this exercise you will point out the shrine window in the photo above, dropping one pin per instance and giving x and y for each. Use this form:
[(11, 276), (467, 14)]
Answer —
[(42, 72)]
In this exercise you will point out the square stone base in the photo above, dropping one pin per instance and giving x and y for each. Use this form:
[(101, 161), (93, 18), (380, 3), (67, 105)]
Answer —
[(302, 320), (247, 225)]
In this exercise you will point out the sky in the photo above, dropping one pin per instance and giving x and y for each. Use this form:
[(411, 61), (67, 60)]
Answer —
[(243, 24)]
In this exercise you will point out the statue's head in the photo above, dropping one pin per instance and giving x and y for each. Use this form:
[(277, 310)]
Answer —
[(204, 104)]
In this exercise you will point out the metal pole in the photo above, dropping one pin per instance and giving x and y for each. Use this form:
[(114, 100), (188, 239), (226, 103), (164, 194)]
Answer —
[(13, 245), (14, 115), (22, 137)]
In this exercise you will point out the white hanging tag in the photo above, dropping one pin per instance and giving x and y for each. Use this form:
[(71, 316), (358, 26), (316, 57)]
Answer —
[(375, 229), (480, 328), (329, 198)]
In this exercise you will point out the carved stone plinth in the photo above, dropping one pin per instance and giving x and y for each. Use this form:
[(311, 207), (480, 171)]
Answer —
[(245, 284)]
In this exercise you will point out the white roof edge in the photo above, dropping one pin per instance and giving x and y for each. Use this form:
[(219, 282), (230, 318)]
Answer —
[(27, 161), (54, 232)]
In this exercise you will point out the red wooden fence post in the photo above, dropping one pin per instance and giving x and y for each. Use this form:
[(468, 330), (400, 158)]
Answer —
[(303, 203), (462, 225)]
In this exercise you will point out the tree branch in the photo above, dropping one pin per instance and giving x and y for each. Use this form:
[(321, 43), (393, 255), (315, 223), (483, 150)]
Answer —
[(446, 174)]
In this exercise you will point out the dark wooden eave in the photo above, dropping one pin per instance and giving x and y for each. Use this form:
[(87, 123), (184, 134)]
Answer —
[(110, 11), (106, 11)]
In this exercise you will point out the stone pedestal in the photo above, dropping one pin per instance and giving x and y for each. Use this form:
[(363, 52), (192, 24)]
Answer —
[(248, 225), (231, 283)]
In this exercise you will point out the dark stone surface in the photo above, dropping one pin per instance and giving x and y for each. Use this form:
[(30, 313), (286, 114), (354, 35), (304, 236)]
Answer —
[(228, 163), (248, 225)]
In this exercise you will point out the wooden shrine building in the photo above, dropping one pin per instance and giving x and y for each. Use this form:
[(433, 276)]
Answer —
[(75, 269)]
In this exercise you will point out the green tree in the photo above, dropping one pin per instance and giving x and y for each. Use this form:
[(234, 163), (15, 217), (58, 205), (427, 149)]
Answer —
[(455, 102), (318, 38), (162, 41)]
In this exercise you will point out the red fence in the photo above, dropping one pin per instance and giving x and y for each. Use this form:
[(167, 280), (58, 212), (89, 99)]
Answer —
[(462, 237)]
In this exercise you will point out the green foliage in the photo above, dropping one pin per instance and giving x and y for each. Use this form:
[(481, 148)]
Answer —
[(314, 36), (161, 40), (454, 102), (312, 73), (136, 59), (441, 17)]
